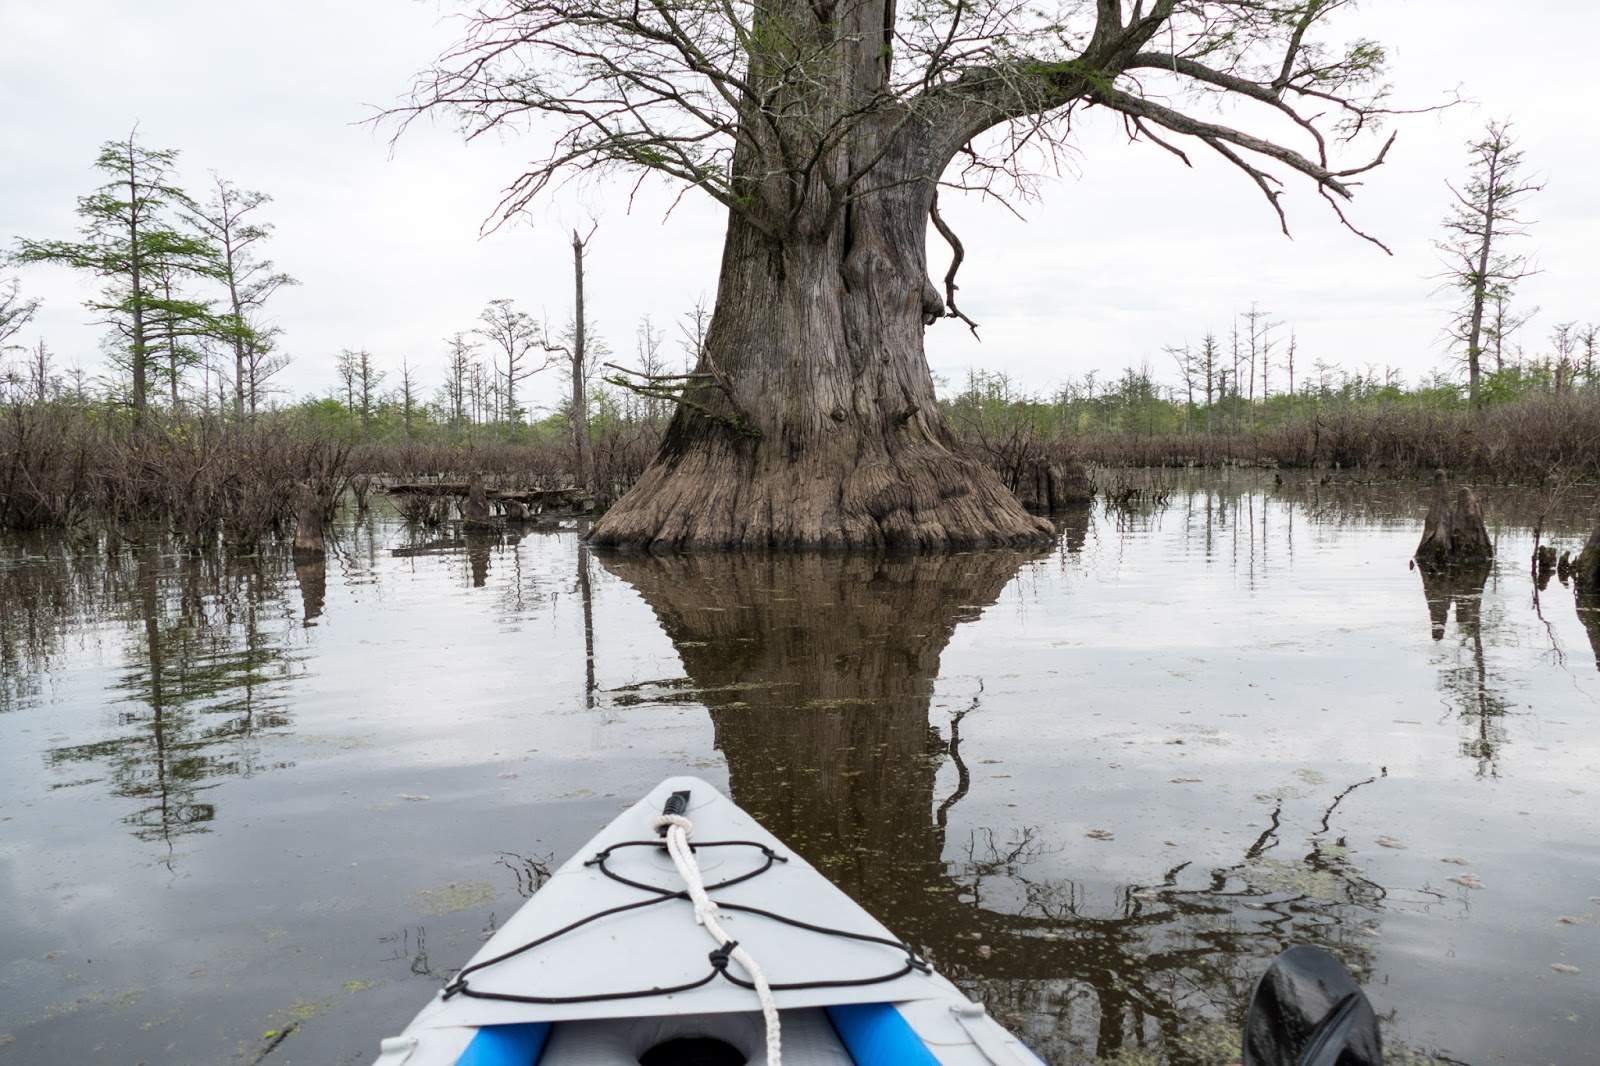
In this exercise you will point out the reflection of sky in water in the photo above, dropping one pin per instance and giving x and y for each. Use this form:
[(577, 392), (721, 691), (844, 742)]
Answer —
[(1102, 785)]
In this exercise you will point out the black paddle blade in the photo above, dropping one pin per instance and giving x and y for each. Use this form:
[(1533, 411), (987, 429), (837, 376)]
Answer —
[(1308, 1011)]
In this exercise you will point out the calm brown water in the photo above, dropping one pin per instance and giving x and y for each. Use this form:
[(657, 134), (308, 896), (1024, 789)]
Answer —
[(1102, 785)]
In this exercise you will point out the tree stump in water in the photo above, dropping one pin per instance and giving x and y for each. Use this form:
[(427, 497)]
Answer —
[(1049, 487), (361, 489), (515, 510), (1586, 588), (1586, 569), (475, 512), (308, 524), (1454, 533)]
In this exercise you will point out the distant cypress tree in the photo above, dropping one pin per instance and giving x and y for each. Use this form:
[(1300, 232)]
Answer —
[(132, 239), (1486, 212), (228, 221)]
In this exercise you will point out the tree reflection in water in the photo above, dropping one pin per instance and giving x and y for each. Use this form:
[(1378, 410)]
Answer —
[(818, 675), (206, 668), (1468, 681)]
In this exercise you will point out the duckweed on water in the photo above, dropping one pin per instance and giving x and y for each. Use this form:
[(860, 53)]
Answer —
[(303, 1010), (1282, 875), (453, 897)]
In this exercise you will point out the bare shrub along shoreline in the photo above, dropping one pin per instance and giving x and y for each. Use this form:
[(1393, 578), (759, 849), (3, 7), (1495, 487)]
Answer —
[(63, 464)]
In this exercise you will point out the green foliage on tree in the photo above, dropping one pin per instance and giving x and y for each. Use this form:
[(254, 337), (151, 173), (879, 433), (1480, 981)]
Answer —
[(133, 238)]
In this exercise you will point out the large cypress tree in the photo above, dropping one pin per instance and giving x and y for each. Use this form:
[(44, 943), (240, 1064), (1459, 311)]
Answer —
[(825, 127)]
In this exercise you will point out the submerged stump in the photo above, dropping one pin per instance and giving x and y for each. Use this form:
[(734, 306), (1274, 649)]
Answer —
[(1586, 589), (1053, 487), (475, 512), (308, 524), (1454, 533), (1586, 568)]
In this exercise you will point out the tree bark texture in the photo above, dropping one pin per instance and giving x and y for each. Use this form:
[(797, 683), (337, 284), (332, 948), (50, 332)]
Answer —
[(1051, 488), (1586, 570), (818, 427), (1454, 533), (308, 525)]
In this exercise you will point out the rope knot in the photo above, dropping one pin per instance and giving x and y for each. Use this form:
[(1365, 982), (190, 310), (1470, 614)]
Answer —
[(720, 956), (673, 821)]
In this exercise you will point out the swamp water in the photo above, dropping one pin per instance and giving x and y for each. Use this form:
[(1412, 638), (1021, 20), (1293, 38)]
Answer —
[(256, 813)]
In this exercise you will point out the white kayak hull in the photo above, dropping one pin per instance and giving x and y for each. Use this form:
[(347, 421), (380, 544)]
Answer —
[(586, 996)]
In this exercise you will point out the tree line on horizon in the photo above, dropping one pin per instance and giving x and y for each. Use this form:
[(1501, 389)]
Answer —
[(185, 286)]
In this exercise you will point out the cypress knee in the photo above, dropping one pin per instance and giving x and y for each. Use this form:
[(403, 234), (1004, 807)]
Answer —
[(1454, 533)]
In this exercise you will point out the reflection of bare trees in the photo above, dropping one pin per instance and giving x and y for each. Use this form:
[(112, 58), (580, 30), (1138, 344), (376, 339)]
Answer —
[(818, 675), (47, 586), (1468, 681), (530, 873), (478, 546), (205, 678), (409, 946)]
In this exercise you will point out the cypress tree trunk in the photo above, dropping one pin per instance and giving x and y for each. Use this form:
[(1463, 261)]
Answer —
[(817, 426)]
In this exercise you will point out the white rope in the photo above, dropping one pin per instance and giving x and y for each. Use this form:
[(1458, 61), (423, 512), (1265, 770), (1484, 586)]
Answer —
[(705, 913)]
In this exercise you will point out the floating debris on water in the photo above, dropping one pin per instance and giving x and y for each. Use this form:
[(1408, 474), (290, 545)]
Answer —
[(1566, 968), (1100, 834), (1390, 842), (1468, 880)]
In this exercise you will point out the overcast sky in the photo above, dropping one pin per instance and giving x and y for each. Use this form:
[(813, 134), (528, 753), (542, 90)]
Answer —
[(1126, 254)]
